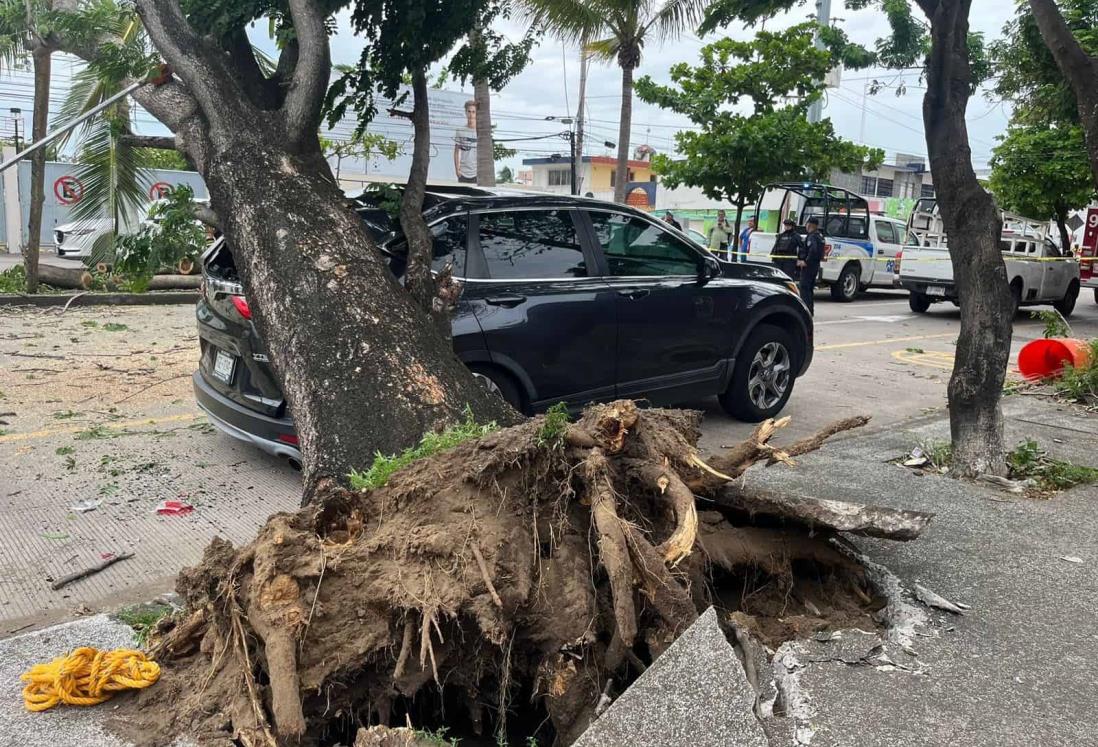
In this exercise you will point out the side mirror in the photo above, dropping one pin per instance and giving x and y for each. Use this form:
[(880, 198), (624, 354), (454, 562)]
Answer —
[(708, 268)]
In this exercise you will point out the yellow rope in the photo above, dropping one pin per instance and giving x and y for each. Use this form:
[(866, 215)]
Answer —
[(86, 677)]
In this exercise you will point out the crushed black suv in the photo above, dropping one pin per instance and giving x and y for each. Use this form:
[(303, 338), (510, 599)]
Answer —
[(564, 299)]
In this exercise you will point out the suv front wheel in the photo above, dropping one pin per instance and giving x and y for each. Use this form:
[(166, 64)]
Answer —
[(763, 378), (499, 383)]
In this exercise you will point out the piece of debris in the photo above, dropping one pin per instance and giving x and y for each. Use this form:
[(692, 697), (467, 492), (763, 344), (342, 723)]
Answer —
[(695, 693), (1071, 558), (91, 570), (174, 508), (54, 535), (1011, 486), (84, 507), (931, 599), (916, 458)]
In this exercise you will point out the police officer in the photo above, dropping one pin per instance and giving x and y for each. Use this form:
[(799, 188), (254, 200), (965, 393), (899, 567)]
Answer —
[(808, 260), (787, 248)]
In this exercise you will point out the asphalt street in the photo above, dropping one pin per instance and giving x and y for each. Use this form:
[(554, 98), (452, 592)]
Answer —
[(98, 412)]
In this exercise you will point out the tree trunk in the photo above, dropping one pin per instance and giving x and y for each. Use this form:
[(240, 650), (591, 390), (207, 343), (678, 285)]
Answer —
[(1061, 225), (622, 170), (578, 165), (418, 276), (362, 368), (39, 123), (1078, 67), (486, 162), (973, 224), (734, 243)]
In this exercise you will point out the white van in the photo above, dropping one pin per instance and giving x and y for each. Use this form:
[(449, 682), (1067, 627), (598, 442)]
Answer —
[(860, 249)]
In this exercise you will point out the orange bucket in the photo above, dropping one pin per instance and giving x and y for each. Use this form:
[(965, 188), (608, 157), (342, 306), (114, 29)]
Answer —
[(1046, 358)]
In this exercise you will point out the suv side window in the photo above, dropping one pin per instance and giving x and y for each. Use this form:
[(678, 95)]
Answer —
[(886, 232), (635, 247), (531, 244), (449, 245)]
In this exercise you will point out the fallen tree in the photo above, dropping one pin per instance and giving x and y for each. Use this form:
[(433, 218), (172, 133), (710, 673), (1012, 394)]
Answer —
[(531, 564)]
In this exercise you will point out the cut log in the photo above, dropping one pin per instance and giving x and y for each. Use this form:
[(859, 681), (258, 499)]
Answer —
[(853, 518), (64, 277), (174, 282)]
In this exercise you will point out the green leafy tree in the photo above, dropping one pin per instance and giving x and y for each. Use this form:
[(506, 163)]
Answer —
[(617, 30), (162, 158), (170, 236), (505, 175), (1042, 172), (1070, 33), (732, 156), (364, 145)]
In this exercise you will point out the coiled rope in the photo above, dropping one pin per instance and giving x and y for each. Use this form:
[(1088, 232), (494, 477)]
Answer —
[(86, 677)]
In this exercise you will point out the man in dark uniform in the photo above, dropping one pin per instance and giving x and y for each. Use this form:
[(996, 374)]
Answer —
[(787, 249), (809, 257)]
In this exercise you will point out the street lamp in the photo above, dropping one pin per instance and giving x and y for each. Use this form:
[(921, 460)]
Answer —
[(17, 118)]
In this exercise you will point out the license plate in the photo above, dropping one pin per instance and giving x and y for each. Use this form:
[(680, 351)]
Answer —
[(224, 363), (935, 290)]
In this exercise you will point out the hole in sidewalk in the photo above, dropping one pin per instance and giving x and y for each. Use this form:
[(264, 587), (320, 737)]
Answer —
[(814, 598)]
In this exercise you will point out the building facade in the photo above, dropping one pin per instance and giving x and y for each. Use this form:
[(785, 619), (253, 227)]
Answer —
[(596, 175), (908, 177)]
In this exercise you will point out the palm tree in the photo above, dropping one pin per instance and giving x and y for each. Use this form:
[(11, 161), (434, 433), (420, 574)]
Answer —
[(22, 34), (620, 29)]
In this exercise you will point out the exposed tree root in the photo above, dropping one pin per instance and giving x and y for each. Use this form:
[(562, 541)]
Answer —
[(499, 568)]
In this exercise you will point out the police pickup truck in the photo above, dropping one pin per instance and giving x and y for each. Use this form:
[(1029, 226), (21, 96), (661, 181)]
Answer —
[(1038, 272), (860, 249)]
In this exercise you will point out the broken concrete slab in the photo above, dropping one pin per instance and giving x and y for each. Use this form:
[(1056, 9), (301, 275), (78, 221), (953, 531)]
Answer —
[(696, 693)]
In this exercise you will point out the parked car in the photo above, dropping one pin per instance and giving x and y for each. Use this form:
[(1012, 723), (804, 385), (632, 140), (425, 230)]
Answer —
[(1038, 272), (77, 240), (565, 299), (860, 249)]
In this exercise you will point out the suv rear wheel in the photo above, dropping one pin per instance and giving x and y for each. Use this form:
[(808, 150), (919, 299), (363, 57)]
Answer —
[(763, 378), (919, 302), (498, 382)]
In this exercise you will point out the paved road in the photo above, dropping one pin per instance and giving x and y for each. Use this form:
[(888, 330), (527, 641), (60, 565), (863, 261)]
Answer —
[(98, 409)]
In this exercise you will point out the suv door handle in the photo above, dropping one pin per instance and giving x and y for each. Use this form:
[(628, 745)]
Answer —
[(635, 293), (508, 302)]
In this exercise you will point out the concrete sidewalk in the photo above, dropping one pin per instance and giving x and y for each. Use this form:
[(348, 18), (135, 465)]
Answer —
[(1017, 669)]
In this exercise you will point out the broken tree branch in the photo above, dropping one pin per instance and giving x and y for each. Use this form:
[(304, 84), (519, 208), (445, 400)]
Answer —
[(90, 571)]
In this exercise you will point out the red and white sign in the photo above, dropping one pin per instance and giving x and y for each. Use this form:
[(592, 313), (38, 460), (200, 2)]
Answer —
[(159, 190), (68, 190), (1088, 249)]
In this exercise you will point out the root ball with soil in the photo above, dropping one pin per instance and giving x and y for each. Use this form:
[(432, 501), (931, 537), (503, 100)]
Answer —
[(510, 576)]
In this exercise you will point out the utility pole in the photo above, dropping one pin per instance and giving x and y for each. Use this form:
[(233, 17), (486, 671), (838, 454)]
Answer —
[(823, 18), (577, 168), (17, 119)]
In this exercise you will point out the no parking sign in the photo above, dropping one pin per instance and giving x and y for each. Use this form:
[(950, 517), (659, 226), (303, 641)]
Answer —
[(159, 191), (68, 190)]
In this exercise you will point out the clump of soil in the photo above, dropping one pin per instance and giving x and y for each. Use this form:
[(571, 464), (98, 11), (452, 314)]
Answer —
[(509, 572)]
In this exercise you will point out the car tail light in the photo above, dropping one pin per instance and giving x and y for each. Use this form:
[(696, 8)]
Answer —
[(827, 252), (896, 267), (288, 438), (241, 305)]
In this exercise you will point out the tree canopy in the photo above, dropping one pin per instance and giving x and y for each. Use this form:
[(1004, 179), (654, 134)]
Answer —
[(733, 155)]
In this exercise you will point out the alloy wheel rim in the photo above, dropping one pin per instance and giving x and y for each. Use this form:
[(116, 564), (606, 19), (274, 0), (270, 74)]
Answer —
[(850, 284), (769, 375), (488, 384)]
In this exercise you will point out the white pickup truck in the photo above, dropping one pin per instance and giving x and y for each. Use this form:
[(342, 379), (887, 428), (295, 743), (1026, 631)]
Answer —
[(1037, 270), (859, 248)]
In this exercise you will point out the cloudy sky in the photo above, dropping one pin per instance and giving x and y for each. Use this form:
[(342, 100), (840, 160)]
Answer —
[(549, 87)]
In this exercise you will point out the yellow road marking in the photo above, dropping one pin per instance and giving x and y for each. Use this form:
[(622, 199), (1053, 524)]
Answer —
[(47, 432), (932, 358), (867, 343)]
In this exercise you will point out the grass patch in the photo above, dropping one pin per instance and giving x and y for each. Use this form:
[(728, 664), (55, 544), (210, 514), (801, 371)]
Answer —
[(434, 738), (115, 327), (1081, 384), (384, 466), (143, 619), (1029, 461), (66, 414), (552, 431), (64, 450), (13, 280), (89, 323)]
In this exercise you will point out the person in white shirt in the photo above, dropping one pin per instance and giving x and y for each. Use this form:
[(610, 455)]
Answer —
[(465, 146)]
